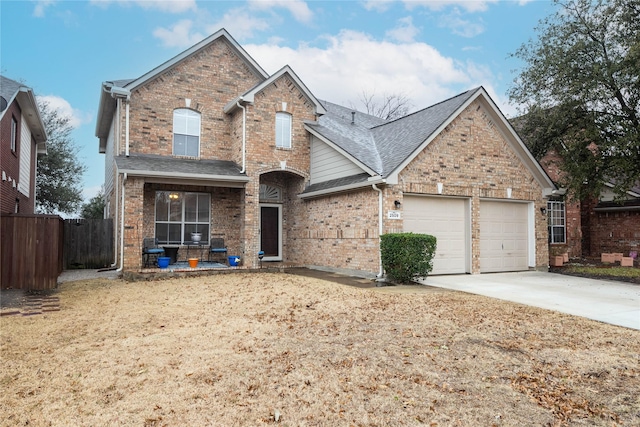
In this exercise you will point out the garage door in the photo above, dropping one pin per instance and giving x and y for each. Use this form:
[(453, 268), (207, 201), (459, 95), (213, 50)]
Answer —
[(446, 219), (503, 236)]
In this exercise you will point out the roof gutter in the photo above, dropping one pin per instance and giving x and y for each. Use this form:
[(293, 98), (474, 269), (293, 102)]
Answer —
[(373, 180)]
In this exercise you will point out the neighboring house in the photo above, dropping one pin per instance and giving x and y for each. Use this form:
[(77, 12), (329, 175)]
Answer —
[(22, 138), (209, 141), (589, 228)]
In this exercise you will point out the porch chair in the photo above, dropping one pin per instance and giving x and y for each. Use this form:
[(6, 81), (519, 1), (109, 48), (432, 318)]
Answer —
[(217, 247), (150, 249)]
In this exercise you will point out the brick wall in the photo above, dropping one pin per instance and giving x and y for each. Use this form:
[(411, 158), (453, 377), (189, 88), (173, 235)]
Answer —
[(551, 163), (472, 159), (10, 165), (617, 231)]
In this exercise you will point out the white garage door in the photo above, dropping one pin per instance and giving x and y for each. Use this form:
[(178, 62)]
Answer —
[(503, 236), (446, 219)]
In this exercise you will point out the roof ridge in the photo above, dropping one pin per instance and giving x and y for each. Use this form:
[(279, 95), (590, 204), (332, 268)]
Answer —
[(430, 106)]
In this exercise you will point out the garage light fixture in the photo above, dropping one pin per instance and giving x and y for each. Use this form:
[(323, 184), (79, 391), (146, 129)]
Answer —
[(543, 211), (397, 204)]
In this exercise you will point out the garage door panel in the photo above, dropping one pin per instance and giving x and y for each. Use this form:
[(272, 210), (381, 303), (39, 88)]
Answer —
[(503, 236), (444, 218)]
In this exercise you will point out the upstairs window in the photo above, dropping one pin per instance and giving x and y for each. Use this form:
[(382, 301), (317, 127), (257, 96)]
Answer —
[(283, 130), (556, 222), (14, 134), (186, 133)]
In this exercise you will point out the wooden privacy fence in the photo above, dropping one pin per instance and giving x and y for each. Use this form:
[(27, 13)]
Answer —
[(88, 243), (31, 251)]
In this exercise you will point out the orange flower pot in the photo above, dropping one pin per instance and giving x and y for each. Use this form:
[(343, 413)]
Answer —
[(193, 262)]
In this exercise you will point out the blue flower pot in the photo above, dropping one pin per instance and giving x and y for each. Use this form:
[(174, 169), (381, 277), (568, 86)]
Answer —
[(163, 261)]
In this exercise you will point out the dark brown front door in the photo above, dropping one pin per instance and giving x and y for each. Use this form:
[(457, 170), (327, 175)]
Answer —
[(269, 231)]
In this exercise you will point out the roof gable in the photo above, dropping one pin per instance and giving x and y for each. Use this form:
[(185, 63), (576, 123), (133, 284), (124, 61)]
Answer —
[(11, 91), (221, 34), (388, 147), (249, 96)]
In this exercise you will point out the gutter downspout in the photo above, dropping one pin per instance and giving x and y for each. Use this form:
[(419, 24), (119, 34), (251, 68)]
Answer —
[(244, 134), (126, 138), (115, 235), (380, 218), (117, 152), (124, 179)]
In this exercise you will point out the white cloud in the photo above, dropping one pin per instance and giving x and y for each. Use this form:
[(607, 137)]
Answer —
[(460, 26), (179, 35), (298, 8), (353, 62), (76, 117), (239, 23), (170, 6), (405, 31), (41, 6), (378, 5), (468, 5)]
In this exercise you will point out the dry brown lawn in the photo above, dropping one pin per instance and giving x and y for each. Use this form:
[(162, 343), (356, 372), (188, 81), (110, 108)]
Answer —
[(259, 349)]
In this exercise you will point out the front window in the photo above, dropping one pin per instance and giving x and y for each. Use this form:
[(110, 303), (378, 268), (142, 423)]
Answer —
[(556, 222), (283, 130), (14, 134), (178, 214), (186, 133)]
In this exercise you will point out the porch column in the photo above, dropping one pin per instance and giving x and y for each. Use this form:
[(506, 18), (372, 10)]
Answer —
[(250, 229), (133, 223)]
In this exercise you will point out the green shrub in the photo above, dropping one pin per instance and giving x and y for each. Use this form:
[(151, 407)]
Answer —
[(407, 256)]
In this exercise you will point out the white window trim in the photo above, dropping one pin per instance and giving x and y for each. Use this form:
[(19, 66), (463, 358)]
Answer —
[(279, 140), (185, 113), (182, 221), (556, 206)]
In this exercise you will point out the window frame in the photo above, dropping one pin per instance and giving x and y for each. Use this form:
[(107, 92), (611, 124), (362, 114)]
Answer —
[(185, 225), (556, 220), (280, 124), (14, 134), (182, 117)]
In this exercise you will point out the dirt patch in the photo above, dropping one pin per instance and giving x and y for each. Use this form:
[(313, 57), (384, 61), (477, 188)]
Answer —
[(257, 349)]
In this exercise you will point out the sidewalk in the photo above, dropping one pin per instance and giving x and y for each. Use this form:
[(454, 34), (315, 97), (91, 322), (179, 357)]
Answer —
[(617, 303)]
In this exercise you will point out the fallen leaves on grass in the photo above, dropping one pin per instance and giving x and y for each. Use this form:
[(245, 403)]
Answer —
[(262, 349)]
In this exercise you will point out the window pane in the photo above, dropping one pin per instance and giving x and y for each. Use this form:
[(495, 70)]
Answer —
[(175, 210), (192, 146), (174, 233), (190, 207), (162, 233), (179, 144), (203, 207), (283, 130), (193, 125), (558, 234), (162, 206)]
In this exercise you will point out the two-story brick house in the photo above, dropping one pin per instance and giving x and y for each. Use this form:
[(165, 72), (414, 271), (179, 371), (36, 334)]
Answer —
[(22, 137), (209, 142)]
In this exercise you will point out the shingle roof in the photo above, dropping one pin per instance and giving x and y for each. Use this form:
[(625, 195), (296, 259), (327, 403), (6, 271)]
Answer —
[(397, 140), (380, 145), (336, 183), (196, 168), (8, 88)]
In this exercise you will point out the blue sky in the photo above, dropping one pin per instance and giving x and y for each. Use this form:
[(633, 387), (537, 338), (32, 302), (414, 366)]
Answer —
[(426, 50)]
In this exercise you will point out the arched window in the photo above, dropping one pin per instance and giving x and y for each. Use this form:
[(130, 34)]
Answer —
[(186, 133), (269, 193), (283, 130)]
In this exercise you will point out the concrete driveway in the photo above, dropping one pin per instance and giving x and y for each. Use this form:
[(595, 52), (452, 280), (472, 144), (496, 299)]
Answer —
[(617, 303)]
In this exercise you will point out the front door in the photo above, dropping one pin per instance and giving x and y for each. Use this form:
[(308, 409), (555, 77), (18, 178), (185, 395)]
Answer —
[(270, 232)]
